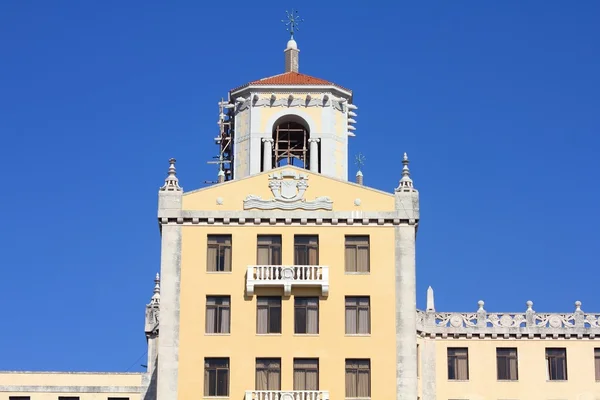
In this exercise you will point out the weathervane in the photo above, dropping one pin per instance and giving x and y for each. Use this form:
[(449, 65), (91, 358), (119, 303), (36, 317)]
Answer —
[(359, 160), (293, 20)]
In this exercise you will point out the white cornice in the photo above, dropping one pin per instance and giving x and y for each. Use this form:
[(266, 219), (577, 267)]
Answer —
[(289, 88)]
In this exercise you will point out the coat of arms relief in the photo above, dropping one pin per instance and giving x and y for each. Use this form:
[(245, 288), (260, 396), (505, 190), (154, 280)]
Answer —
[(288, 188)]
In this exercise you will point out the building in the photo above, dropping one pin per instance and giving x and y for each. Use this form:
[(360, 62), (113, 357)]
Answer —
[(287, 281)]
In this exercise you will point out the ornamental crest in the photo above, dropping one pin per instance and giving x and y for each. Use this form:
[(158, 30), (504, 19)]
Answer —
[(288, 188)]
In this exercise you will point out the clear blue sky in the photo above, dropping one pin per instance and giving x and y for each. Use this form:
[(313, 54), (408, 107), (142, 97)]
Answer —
[(497, 104)]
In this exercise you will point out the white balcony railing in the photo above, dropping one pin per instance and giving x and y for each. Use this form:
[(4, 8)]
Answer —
[(287, 395), (287, 276)]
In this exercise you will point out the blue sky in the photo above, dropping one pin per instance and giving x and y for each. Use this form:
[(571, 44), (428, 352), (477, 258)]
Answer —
[(496, 104)]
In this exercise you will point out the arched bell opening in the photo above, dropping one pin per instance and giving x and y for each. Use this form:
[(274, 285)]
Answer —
[(291, 136)]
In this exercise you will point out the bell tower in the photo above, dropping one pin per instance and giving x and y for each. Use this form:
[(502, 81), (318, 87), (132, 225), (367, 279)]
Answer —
[(285, 119)]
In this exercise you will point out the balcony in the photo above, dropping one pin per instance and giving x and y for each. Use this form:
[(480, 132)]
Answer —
[(287, 395), (287, 276)]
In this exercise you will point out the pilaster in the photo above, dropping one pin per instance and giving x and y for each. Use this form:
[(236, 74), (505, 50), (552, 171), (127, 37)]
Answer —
[(428, 370), (170, 201)]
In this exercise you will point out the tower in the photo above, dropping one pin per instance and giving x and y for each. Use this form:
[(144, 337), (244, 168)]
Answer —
[(286, 119)]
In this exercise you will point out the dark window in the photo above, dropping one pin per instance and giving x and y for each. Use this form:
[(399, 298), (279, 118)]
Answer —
[(597, 363), (358, 316), (268, 250), (118, 398), (19, 398), (218, 314), (268, 315), (68, 397), (458, 363), (357, 254), (306, 250), (506, 360), (306, 374), (557, 364), (358, 378), (268, 374), (306, 315), (216, 377), (219, 253)]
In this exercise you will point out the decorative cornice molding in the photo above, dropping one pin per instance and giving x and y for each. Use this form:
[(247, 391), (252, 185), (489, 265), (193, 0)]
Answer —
[(70, 389)]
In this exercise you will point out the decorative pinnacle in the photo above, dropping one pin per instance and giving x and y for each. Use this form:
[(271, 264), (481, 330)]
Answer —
[(293, 20), (406, 183), (156, 296), (171, 183), (359, 161)]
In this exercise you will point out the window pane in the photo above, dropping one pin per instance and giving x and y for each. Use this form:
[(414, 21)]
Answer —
[(300, 320), (275, 319), (350, 259)]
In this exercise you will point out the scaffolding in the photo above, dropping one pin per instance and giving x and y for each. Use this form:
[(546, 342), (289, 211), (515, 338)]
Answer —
[(291, 140), (225, 141)]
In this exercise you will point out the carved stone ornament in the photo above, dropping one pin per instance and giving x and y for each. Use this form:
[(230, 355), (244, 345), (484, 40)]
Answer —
[(288, 188)]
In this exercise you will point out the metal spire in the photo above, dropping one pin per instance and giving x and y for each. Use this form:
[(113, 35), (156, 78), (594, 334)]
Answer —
[(293, 20)]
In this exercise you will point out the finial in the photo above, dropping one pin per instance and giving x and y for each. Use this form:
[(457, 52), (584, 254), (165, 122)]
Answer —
[(171, 183), (529, 305), (480, 303), (156, 296), (577, 306), (293, 20), (430, 302), (406, 183)]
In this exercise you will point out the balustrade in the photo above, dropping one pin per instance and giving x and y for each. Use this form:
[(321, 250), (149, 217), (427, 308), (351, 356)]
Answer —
[(287, 395), (287, 276)]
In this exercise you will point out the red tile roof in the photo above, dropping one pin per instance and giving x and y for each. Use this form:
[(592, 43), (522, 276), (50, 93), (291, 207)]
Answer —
[(290, 78)]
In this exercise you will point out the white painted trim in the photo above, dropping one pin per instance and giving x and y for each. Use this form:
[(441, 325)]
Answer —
[(289, 88)]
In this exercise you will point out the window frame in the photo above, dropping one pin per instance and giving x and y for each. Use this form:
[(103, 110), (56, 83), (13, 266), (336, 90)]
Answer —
[(455, 358), (220, 247), (305, 248), (216, 368), (218, 314), (269, 307), (348, 245), (356, 371), (305, 307), (557, 358), (506, 359), (267, 360), (305, 370), (358, 307), (270, 246)]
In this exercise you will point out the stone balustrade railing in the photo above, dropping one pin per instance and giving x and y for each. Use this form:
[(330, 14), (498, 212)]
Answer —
[(287, 395), (287, 276), (528, 323)]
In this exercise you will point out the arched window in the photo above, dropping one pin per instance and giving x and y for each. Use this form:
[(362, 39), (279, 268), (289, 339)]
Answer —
[(290, 142)]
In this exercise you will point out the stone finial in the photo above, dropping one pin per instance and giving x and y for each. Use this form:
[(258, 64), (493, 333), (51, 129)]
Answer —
[(480, 303), (156, 295), (529, 305), (406, 183), (171, 183), (359, 177), (430, 303), (577, 306)]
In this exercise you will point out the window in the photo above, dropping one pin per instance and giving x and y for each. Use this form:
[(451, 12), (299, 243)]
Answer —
[(306, 250), (218, 314), (358, 316), (458, 363), (557, 364), (358, 378), (118, 398), (219, 253), (268, 315), (306, 315), (268, 374), (506, 361), (306, 374), (216, 377), (597, 363), (68, 397), (269, 250), (19, 398), (357, 254)]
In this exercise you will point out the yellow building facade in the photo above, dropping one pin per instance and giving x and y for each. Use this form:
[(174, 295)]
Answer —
[(286, 281)]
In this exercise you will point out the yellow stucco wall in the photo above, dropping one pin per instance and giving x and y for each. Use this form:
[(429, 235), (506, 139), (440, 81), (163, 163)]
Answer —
[(532, 383), (243, 345), (341, 193)]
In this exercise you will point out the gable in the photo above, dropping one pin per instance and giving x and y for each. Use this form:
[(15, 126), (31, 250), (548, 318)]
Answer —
[(288, 189)]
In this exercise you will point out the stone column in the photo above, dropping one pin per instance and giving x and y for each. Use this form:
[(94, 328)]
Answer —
[(405, 229), (428, 369), (314, 155), (169, 207), (267, 154)]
